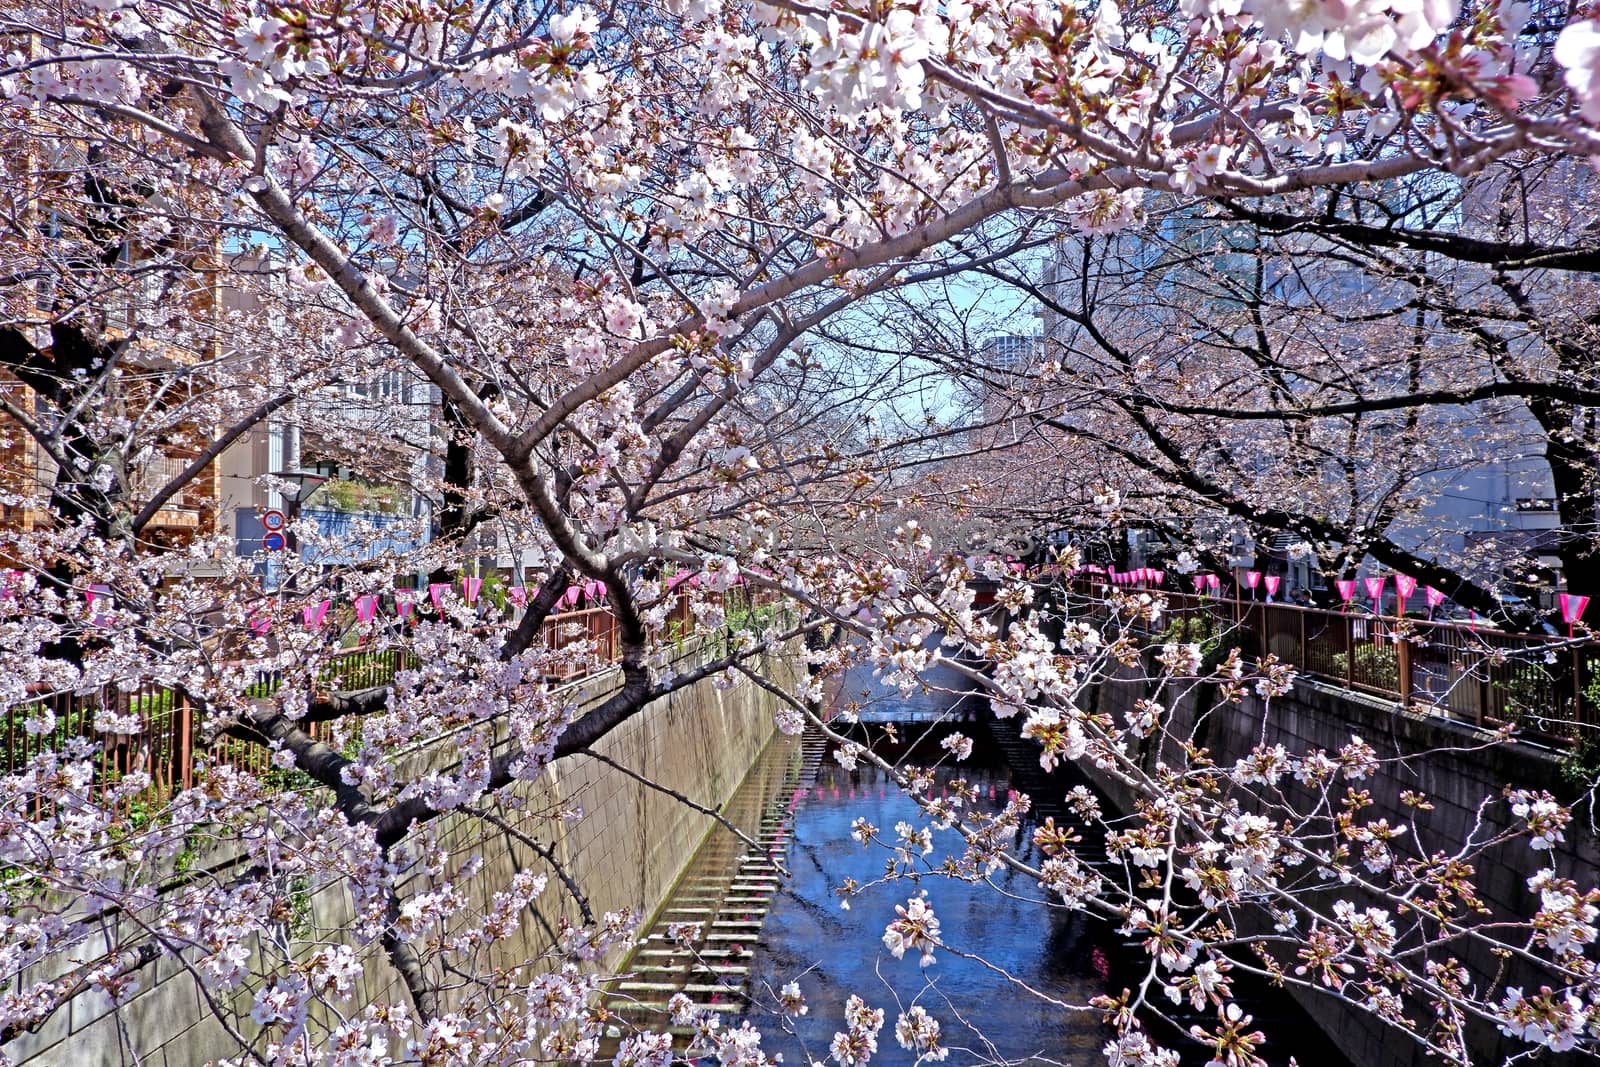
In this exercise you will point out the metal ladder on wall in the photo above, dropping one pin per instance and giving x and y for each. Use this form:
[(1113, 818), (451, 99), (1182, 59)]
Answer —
[(725, 894)]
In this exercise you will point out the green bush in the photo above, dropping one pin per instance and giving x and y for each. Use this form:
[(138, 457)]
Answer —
[(1524, 691), (1377, 665), (1200, 630), (1580, 767), (494, 590), (754, 619), (150, 705), (340, 494)]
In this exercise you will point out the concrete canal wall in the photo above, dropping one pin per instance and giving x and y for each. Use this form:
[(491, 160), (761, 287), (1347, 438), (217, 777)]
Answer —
[(626, 850), (1451, 763)]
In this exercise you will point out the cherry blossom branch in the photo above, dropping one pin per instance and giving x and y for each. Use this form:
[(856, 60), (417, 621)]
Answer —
[(277, 206), (640, 687), (722, 820), (544, 852), (203, 460)]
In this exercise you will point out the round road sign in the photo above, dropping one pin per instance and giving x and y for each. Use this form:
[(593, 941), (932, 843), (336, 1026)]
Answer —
[(273, 519), (274, 542)]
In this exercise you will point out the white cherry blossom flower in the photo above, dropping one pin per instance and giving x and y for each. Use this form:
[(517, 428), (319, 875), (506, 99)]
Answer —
[(1578, 52)]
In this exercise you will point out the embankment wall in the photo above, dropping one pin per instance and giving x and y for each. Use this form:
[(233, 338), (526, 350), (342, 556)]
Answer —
[(621, 841), (1454, 765)]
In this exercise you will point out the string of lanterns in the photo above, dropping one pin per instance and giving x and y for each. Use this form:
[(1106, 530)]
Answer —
[(314, 616), (1572, 605), (367, 607)]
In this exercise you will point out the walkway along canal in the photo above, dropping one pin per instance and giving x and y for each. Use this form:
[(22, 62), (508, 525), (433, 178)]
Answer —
[(808, 905)]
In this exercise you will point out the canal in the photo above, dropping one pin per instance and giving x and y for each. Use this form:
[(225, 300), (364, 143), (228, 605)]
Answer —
[(809, 904)]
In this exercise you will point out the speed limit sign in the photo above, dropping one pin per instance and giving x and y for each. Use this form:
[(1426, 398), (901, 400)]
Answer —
[(273, 519)]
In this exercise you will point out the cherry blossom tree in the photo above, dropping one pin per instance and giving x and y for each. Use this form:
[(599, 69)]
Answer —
[(1325, 370), (608, 238)]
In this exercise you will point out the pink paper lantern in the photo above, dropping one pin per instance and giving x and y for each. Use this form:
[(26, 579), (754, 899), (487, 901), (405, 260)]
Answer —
[(1347, 589), (1213, 582), (1572, 610), (1272, 581), (1199, 582), (98, 598), (470, 587), (366, 608), (1374, 589), (1252, 578), (1433, 596), (1572, 607), (404, 605), (260, 624), (315, 614), (1160, 576), (1404, 586), (519, 595), (570, 597), (436, 592)]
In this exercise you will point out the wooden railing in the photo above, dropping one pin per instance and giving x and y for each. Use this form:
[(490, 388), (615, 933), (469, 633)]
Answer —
[(1544, 685), (164, 741)]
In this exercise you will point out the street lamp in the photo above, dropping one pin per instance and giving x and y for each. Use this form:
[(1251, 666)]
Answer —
[(301, 480), (305, 483)]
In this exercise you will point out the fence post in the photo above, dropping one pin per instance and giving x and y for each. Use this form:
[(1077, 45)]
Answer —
[(1485, 691), (183, 742), (1305, 653), (1579, 711), (1349, 652), (1403, 664)]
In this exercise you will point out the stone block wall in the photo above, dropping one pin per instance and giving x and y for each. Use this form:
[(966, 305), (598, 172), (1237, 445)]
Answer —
[(624, 843)]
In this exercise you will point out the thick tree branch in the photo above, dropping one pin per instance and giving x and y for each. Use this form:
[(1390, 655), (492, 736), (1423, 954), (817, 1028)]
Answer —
[(203, 460), (1508, 255)]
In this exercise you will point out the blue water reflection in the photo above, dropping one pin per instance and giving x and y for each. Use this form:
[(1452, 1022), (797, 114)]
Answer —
[(984, 1015), (1023, 998)]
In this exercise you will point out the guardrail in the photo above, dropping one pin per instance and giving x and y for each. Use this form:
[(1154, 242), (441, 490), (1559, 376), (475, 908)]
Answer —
[(164, 728), (1547, 686)]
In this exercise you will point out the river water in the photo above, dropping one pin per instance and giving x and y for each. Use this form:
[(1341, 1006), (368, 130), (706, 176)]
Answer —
[(1020, 998), (1030, 952)]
